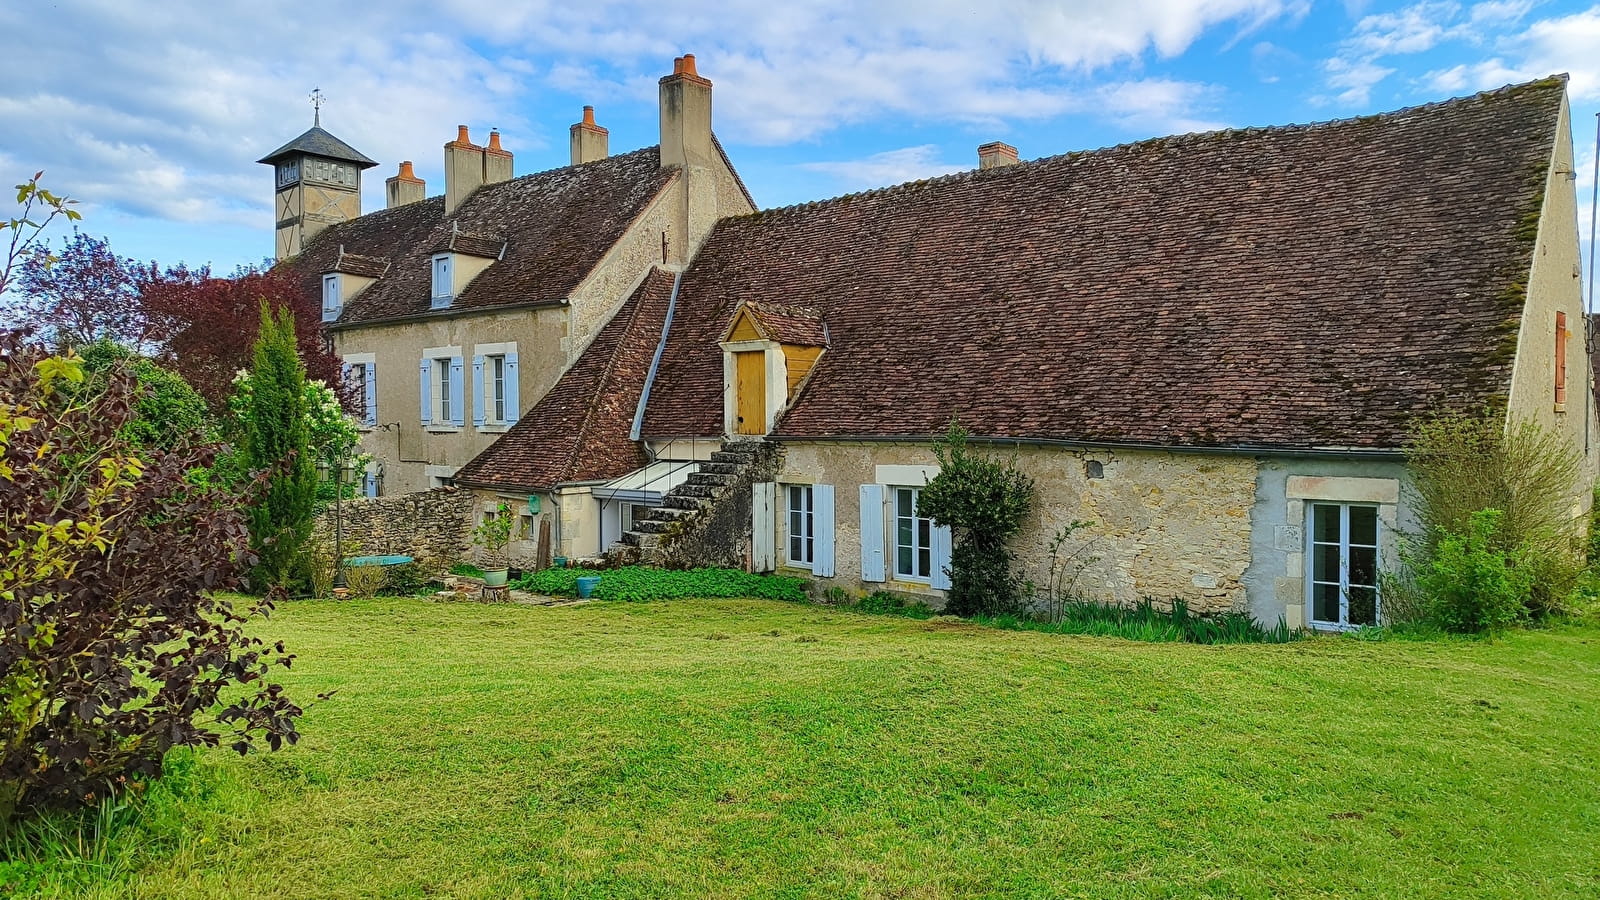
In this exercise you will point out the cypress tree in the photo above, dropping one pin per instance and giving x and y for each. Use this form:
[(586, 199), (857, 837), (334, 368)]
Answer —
[(277, 440)]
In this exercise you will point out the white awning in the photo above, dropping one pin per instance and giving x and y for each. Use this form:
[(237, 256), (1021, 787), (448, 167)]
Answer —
[(649, 484)]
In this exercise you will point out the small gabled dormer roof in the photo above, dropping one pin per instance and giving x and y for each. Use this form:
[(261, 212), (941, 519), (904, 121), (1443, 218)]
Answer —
[(318, 142), (358, 264), (798, 325), (484, 245)]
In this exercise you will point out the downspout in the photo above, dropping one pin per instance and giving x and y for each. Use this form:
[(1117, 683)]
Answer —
[(655, 363)]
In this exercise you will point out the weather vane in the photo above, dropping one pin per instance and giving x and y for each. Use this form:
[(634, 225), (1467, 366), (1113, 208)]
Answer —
[(316, 106)]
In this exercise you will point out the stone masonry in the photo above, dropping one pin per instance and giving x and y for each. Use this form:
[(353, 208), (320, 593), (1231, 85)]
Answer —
[(431, 526)]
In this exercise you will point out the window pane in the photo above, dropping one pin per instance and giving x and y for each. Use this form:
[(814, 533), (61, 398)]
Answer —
[(1325, 602), (1324, 562), (903, 561), (922, 533), (906, 505), (903, 532), (1364, 525), (1364, 566), (1325, 522), (794, 547), (924, 564), (1363, 606)]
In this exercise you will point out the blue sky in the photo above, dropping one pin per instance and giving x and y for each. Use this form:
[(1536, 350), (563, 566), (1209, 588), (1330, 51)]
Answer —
[(152, 114)]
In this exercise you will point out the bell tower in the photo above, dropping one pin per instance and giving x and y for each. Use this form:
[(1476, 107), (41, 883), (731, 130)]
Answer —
[(318, 183)]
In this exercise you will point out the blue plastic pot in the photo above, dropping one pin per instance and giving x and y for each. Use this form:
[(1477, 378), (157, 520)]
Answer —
[(587, 584)]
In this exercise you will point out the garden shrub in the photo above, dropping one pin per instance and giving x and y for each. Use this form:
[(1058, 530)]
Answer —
[(983, 500), (114, 638), (1462, 465), (365, 581), (1472, 585), (277, 442), (640, 583)]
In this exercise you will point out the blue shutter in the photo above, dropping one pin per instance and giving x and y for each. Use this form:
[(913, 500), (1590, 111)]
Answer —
[(872, 532), (763, 526), (513, 393), (940, 576), (478, 390), (425, 375), (371, 390), (457, 370), (369, 485), (822, 524)]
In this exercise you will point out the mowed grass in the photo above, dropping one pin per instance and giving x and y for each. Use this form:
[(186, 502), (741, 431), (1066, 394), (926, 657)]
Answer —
[(762, 749)]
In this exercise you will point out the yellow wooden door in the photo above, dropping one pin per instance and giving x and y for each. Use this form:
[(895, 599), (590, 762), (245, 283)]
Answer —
[(750, 391)]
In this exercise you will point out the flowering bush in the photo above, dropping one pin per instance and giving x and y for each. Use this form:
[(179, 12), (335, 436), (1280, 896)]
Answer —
[(333, 433)]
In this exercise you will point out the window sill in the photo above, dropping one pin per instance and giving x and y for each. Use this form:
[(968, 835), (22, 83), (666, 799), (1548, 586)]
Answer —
[(494, 428), (1561, 407), (789, 567), (442, 429)]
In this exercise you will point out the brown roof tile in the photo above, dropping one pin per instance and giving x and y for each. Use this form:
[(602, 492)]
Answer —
[(579, 431), (1294, 287), (790, 324), (557, 226), (356, 264)]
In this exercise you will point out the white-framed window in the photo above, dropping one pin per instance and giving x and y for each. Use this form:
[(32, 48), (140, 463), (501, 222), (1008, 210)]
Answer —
[(495, 397), (1342, 542), (800, 513), (441, 378), (443, 284), (496, 387), (332, 300), (361, 377), (913, 537), (443, 381)]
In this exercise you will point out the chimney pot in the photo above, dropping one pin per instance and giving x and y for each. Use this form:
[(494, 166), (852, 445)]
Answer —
[(496, 160), (461, 135), (494, 140), (589, 141), (588, 115), (996, 154), (404, 187), (688, 65)]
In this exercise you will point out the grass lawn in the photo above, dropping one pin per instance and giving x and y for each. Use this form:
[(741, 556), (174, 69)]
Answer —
[(762, 749)]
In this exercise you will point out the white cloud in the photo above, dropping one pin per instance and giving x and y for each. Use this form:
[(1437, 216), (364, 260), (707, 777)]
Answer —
[(157, 109), (1568, 44), (1359, 67), (889, 167)]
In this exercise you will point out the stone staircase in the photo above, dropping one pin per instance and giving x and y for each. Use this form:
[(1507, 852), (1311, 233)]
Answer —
[(690, 503)]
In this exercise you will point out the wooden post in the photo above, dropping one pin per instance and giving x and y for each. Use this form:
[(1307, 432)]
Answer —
[(543, 561)]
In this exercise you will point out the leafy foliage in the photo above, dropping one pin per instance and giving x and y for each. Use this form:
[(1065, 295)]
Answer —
[(494, 533), (169, 409), (983, 500), (84, 295), (1472, 583), (639, 583), (1462, 465), (277, 441), (1147, 622), (39, 208), (331, 433), (112, 638)]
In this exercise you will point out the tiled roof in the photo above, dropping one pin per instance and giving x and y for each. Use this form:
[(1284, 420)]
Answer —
[(790, 324), (487, 246), (579, 431), (320, 143), (1294, 287), (557, 226)]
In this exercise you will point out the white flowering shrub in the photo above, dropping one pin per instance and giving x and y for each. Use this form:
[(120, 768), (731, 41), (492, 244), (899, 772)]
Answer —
[(334, 434)]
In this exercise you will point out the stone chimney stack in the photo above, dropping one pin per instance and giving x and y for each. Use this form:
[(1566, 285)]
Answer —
[(685, 116), (405, 187), (496, 161), (995, 154), (590, 142), (463, 170)]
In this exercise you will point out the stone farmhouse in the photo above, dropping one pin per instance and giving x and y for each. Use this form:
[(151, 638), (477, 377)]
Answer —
[(1210, 346)]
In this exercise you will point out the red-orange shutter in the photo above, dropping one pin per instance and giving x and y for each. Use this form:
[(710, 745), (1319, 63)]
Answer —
[(1561, 357)]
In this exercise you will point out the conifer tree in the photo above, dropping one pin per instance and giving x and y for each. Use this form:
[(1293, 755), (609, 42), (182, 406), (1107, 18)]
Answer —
[(276, 440)]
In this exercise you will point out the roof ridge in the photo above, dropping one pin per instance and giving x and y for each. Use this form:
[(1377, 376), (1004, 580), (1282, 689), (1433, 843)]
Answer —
[(1185, 137)]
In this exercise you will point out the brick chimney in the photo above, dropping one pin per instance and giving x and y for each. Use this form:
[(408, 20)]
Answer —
[(463, 169), (590, 142), (496, 161), (995, 154), (685, 116), (405, 187)]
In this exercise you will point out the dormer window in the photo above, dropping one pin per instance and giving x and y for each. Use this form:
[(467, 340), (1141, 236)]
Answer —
[(332, 301), (443, 283)]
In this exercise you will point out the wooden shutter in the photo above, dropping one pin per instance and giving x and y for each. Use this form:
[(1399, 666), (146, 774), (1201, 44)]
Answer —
[(1561, 357), (478, 391), (939, 578), (513, 394), (872, 568), (458, 415), (370, 393), (425, 375), (822, 524), (763, 526)]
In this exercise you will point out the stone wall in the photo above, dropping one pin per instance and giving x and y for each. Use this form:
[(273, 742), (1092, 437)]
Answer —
[(720, 534), (432, 526), (1166, 525)]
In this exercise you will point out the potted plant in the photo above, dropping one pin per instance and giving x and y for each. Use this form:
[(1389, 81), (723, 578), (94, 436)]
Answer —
[(493, 535)]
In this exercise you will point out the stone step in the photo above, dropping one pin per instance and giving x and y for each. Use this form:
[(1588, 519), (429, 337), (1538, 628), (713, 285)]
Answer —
[(706, 492), (723, 456), (747, 448), (675, 500), (640, 540), (709, 478), (665, 514), (729, 467), (653, 526)]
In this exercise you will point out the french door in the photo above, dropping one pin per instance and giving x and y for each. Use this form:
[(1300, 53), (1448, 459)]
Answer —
[(1343, 547)]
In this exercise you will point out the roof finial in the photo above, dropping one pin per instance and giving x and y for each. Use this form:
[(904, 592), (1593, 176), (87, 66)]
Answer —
[(316, 106)]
